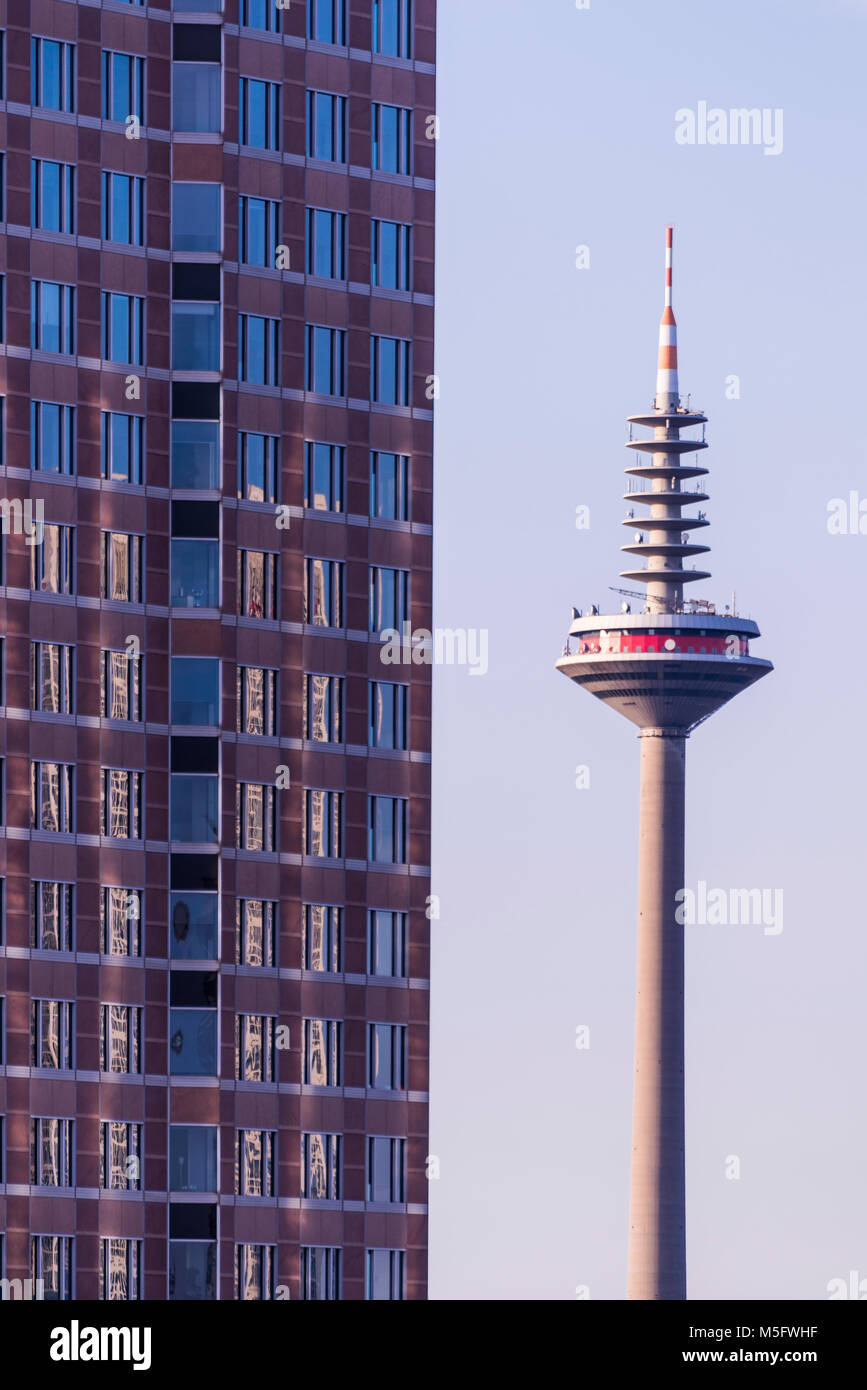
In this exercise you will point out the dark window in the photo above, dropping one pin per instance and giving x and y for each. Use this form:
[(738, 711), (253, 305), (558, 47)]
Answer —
[(259, 116), (51, 72), (52, 316), (326, 244), (390, 262), (326, 21), (323, 476), (391, 151), (392, 28), (326, 127), (389, 486)]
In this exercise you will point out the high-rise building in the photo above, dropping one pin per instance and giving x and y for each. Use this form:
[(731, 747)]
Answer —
[(666, 668), (216, 367)]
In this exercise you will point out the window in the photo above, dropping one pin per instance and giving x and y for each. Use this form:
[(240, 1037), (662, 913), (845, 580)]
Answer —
[(52, 208), (51, 1034), (323, 824), (257, 467), (196, 334), (51, 797), (52, 437), (51, 75), (122, 87), (120, 804), (254, 1162), (389, 371), (258, 350), (52, 563), (258, 231), (326, 127), (192, 1158), (194, 808), (322, 938), (120, 688), (386, 943), (51, 683), (197, 92), (323, 476), (326, 244), (386, 1170), (255, 932), (320, 1167), (259, 116), (323, 593), (195, 455), (391, 151), (320, 1273), (389, 599), (255, 817), (385, 1274), (323, 709), (389, 486), (52, 318), (120, 1156), (255, 1052), (195, 926), (257, 584), (386, 1056), (255, 1272), (197, 222), (326, 361), (390, 261), (123, 208), (321, 1063), (195, 573), (122, 447), (120, 1269), (51, 916), (193, 1023), (195, 692), (256, 701), (122, 330), (51, 1153), (51, 1262), (392, 28), (326, 21), (260, 14), (388, 721), (120, 916), (121, 567), (387, 830), (192, 1270)]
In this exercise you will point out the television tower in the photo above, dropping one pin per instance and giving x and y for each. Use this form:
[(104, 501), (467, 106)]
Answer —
[(666, 668)]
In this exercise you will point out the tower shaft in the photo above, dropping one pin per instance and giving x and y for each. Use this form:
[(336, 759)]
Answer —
[(657, 1212)]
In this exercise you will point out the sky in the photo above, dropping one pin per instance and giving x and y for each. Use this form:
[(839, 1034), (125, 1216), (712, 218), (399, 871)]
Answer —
[(557, 131)]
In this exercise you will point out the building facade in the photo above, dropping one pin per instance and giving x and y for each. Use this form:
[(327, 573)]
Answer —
[(216, 366)]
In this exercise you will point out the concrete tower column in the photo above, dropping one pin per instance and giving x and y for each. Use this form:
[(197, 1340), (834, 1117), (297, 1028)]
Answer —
[(657, 1215)]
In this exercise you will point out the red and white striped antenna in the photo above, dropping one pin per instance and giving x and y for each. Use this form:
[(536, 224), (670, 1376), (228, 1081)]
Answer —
[(667, 390)]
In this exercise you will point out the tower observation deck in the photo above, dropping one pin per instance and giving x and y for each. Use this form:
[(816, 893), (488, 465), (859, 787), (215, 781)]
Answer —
[(666, 668)]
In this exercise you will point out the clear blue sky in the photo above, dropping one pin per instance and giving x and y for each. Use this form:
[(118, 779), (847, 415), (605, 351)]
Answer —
[(557, 130)]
